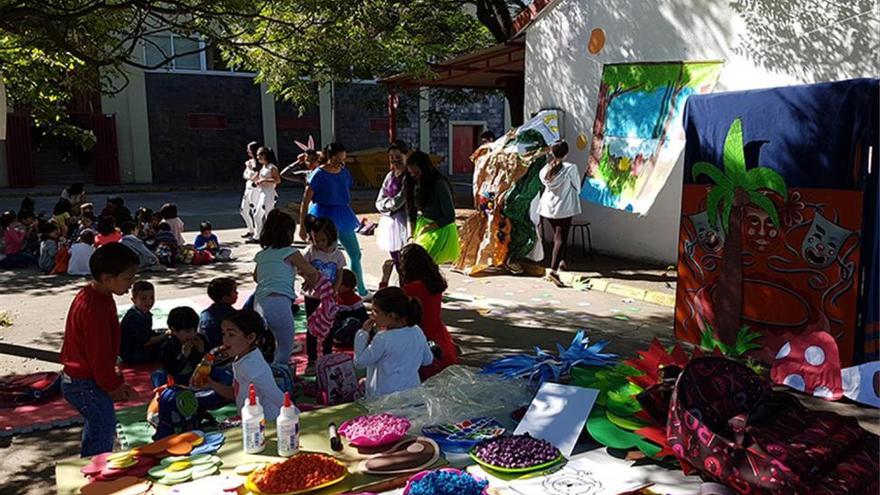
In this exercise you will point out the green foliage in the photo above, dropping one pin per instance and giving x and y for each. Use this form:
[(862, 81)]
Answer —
[(735, 177), (616, 179), (745, 342)]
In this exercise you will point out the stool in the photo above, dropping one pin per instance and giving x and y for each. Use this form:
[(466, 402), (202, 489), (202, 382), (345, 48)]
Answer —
[(583, 228)]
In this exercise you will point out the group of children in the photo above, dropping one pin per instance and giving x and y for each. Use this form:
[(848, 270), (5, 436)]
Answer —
[(65, 241)]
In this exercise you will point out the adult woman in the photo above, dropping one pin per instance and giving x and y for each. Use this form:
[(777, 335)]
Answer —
[(559, 202), (251, 192), (420, 278), (431, 210), (266, 180), (76, 194), (327, 195), (393, 231)]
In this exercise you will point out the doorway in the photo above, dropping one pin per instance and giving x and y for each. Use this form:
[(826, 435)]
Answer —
[(464, 138)]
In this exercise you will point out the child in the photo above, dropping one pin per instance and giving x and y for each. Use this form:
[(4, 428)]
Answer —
[(207, 241), (420, 278), (352, 314), (184, 348), (14, 238), (169, 216), (31, 226), (224, 292), (90, 348), (107, 231), (61, 215), (393, 356), (130, 238), (322, 253), (166, 245), (393, 230), (86, 222), (116, 208), (243, 332), (49, 247), (140, 344), (80, 254), (275, 273)]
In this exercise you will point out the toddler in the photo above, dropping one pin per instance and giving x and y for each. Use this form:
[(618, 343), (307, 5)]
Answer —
[(223, 291), (182, 350), (49, 247), (324, 255), (140, 343), (352, 314), (169, 216)]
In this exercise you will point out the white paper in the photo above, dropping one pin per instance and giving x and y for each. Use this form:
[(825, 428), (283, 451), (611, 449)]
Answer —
[(558, 414)]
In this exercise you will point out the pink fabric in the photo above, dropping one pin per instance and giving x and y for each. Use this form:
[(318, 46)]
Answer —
[(14, 240), (321, 321)]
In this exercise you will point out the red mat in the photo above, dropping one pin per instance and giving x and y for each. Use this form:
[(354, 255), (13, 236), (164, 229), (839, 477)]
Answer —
[(57, 412)]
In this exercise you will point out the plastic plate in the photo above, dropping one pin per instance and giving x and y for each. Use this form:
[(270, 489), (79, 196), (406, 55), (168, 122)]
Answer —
[(499, 469), (418, 476), (252, 487)]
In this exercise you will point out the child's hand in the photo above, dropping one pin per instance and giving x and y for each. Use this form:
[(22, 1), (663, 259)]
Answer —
[(199, 344), (387, 268), (369, 324), (303, 235)]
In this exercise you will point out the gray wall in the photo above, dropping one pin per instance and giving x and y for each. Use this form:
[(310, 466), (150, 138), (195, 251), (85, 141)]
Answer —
[(489, 109)]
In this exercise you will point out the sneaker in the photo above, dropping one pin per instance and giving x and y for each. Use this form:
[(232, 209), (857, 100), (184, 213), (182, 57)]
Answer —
[(310, 369), (554, 277)]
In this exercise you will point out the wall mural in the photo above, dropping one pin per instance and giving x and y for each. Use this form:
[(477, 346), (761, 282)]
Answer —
[(637, 132)]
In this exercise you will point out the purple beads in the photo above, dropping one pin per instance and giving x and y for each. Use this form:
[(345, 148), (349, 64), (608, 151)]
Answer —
[(516, 451)]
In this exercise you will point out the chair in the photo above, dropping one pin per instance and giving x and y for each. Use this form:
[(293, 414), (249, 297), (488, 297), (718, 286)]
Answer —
[(584, 230)]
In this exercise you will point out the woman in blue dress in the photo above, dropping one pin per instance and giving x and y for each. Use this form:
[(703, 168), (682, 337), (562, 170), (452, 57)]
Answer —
[(327, 195)]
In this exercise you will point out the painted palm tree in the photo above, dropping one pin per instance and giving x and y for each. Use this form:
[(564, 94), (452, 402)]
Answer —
[(734, 189)]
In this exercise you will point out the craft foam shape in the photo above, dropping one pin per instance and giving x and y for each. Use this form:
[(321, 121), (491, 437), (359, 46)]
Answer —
[(557, 414), (597, 41), (809, 363), (127, 485), (862, 383)]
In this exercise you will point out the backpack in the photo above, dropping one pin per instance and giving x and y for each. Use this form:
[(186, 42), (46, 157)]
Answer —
[(284, 377), (337, 382), (727, 422), (26, 389), (176, 410)]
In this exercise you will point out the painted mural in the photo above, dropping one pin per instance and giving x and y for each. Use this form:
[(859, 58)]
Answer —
[(637, 131)]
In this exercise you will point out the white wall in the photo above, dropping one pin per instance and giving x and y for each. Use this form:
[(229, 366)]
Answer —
[(776, 43)]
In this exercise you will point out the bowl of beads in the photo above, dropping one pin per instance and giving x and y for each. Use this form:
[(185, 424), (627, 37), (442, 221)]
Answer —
[(446, 481), (515, 454), (374, 430), (301, 473), (462, 436)]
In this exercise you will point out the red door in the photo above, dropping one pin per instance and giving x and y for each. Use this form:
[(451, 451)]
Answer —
[(19, 151), (106, 149), (465, 139)]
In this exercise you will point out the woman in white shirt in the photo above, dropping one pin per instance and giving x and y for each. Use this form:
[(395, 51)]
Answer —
[(266, 180), (559, 202), (249, 198), (394, 355)]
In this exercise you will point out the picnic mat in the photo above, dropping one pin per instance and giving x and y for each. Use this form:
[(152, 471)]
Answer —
[(57, 412), (313, 437), (133, 430)]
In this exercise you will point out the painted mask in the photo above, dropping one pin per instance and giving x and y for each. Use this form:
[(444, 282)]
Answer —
[(809, 363), (761, 234), (823, 242), (711, 238)]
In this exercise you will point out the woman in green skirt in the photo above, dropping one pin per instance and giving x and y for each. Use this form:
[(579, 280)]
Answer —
[(431, 210)]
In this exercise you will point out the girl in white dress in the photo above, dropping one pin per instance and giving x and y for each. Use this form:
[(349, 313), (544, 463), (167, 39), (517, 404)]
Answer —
[(393, 230), (251, 192), (266, 181)]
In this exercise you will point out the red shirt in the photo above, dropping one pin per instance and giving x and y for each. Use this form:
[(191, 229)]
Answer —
[(433, 327), (91, 339), (102, 239), (14, 240)]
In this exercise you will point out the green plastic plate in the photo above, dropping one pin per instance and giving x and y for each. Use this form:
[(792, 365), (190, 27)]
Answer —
[(523, 470)]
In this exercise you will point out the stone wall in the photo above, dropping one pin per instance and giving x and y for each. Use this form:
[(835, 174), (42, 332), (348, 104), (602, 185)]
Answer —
[(490, 109)]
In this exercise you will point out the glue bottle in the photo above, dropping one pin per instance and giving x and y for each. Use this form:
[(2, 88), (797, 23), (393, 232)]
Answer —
[(253, 424), (287, 428)]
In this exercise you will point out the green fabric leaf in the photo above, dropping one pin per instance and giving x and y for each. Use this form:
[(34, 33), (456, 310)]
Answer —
[(713, 172), (766, 178), (715, 197), (734, 156), (764, 203)]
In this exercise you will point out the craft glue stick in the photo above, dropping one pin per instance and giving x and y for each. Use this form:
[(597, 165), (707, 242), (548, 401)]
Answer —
[(335, 442), (253, 424), (287, 428)]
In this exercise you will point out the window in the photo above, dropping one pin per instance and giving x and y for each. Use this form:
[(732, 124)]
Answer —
[(186, 54), (157, 49)]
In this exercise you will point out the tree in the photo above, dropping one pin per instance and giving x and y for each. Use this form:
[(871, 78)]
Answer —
[(734, 189), (51, 51)]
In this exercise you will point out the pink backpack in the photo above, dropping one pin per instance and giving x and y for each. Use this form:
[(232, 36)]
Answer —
[(337, 382)]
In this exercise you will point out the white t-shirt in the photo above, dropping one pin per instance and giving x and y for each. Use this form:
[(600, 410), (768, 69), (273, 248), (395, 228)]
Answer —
[(327, 264), (561, 196), (80, 254), (392, 359), (253, 368), (177, 229), (266, 173)]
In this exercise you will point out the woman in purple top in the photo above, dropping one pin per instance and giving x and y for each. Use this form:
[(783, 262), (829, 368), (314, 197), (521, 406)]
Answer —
[(328, 195)]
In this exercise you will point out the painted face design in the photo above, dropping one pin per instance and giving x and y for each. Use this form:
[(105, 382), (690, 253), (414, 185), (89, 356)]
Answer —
[(572, 483), (711, 238), (823, 242), (761, 234)]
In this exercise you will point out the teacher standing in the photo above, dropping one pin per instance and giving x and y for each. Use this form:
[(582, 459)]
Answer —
[(559, 202), (431, 209), (328, 195)]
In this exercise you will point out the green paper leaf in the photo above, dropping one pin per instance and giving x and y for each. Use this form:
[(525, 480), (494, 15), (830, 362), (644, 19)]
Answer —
[(764, 203), (766, 178), (713, 172), (734, 156)]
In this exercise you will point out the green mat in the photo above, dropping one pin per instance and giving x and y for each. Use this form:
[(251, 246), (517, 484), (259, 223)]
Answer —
[(133, 430)]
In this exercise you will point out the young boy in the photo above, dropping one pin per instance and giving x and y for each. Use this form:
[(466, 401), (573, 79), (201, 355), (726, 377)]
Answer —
[(206, 240), (224, 292), (89, 381), (140, 344), (166, 245), (352, 313), (184, 348), (130, 238)]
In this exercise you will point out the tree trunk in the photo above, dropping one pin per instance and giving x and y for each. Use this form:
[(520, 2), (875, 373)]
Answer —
[(728, 298), (597, 146)]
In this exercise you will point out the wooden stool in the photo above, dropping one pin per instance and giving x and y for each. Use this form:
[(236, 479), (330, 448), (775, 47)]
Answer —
[(583, 228)]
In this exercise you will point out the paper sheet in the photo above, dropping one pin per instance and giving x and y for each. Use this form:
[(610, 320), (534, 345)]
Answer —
[(558, 414)]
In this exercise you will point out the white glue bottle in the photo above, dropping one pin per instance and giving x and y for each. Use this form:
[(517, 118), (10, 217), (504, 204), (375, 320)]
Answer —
[(253, 424), (287, 428)]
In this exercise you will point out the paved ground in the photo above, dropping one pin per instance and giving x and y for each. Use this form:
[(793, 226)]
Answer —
[(489, 317)]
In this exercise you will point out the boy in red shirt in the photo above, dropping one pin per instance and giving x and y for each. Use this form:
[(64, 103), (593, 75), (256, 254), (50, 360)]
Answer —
[(89, 381)]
